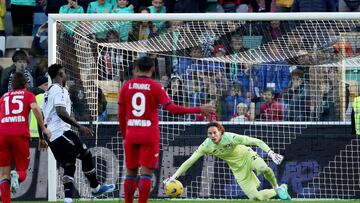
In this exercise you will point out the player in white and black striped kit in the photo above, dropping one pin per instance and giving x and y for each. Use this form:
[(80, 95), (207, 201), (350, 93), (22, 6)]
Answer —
[(65, 143)]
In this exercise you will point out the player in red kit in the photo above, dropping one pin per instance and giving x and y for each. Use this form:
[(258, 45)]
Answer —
[(139, 124), (15, 106)]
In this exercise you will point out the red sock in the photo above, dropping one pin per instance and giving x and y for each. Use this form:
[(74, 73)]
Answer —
[(144, 188), (130, 188), (22, 175), (5, 190)]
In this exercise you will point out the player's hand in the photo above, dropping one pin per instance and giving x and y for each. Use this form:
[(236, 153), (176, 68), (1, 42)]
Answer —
[(46, 134), (86, 131), (42, 145), (277, 158), (207, 109)]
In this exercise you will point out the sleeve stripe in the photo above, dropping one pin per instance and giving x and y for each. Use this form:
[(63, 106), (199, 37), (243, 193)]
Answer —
[(167, 104)]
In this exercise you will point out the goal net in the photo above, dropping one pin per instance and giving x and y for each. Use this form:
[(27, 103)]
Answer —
[(270, 75)]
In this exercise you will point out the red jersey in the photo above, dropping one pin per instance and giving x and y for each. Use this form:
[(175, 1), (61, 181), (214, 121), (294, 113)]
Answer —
[(273, 111), (14, 112), (138, 109)]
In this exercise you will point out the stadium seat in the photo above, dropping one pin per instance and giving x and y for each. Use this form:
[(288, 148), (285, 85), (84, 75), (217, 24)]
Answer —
[(6, 62), (16, 42), (251, 42), (2, 44), (8, 24)]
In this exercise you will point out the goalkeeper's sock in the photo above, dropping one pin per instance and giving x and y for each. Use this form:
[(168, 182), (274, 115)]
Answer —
[(144, 188), (5, 190), (270, 176), (130, 188), (22, 175)]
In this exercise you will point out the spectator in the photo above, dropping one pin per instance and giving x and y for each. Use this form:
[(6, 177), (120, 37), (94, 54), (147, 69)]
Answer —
[(102, 103), (284, 5), (236, 44), (175, 91), (233, 99), (137, 4), (186, 6), (143, 30), (241, 113), (313, 6), (20, 60), (53, 6), (187, 65), (2, 17), (253, 3), (125, 26), (267, 6), (22, 13), (276, 76), (99, 6), (230, 6), (158, 7), (41, 85), (349, 5), (324, 108), (296, 98), (271, 110), (38, 47), (219, 50), (80, 105), (274, 30), (71, 7)]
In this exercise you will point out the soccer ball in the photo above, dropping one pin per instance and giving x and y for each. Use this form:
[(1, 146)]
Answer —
[(173, 188)]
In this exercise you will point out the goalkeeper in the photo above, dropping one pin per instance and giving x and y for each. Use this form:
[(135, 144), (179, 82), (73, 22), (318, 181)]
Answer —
[(242, 160)]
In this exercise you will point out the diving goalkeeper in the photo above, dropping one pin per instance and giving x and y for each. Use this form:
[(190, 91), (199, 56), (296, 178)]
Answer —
[(242, 160)]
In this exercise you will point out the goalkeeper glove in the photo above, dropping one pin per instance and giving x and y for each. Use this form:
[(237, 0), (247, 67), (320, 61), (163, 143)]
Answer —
[(168, 179), (277, 158)]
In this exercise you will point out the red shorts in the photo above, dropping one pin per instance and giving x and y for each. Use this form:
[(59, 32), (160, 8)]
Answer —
[(14, 149), (146, 155)]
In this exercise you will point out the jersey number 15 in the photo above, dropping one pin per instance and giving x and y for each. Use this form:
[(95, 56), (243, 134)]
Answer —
[(15, 100)]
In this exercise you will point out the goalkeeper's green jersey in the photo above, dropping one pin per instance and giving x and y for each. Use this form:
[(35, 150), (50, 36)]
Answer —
[(231, 149)]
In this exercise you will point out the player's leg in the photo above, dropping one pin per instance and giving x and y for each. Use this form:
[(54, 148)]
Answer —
[(132, 165), (5, 162), (250, 190), (68, 179), (21, 155), (63, 150), (149, 160), (79, 150), (258, 164), (5, 183)]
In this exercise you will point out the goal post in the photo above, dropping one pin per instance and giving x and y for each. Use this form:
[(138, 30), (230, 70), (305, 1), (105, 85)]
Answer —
[(312, 47)]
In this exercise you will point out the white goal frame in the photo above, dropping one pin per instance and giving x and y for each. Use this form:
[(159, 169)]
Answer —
[(52, 33)]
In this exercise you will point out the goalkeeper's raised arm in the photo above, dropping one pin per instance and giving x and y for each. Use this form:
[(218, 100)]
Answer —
[(242, 161)]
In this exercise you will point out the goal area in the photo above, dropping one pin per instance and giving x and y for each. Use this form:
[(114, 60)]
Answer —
[(285, 78)]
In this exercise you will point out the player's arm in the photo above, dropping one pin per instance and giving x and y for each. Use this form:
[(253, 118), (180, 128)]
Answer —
[(40, 120), (246, 140), (169, 105), (189, 162), (63, 115)]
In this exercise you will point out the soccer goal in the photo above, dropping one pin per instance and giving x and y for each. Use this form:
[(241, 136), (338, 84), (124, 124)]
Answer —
[(307, 62)]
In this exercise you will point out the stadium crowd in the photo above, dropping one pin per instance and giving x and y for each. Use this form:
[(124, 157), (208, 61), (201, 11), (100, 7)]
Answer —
[(241, 92)]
